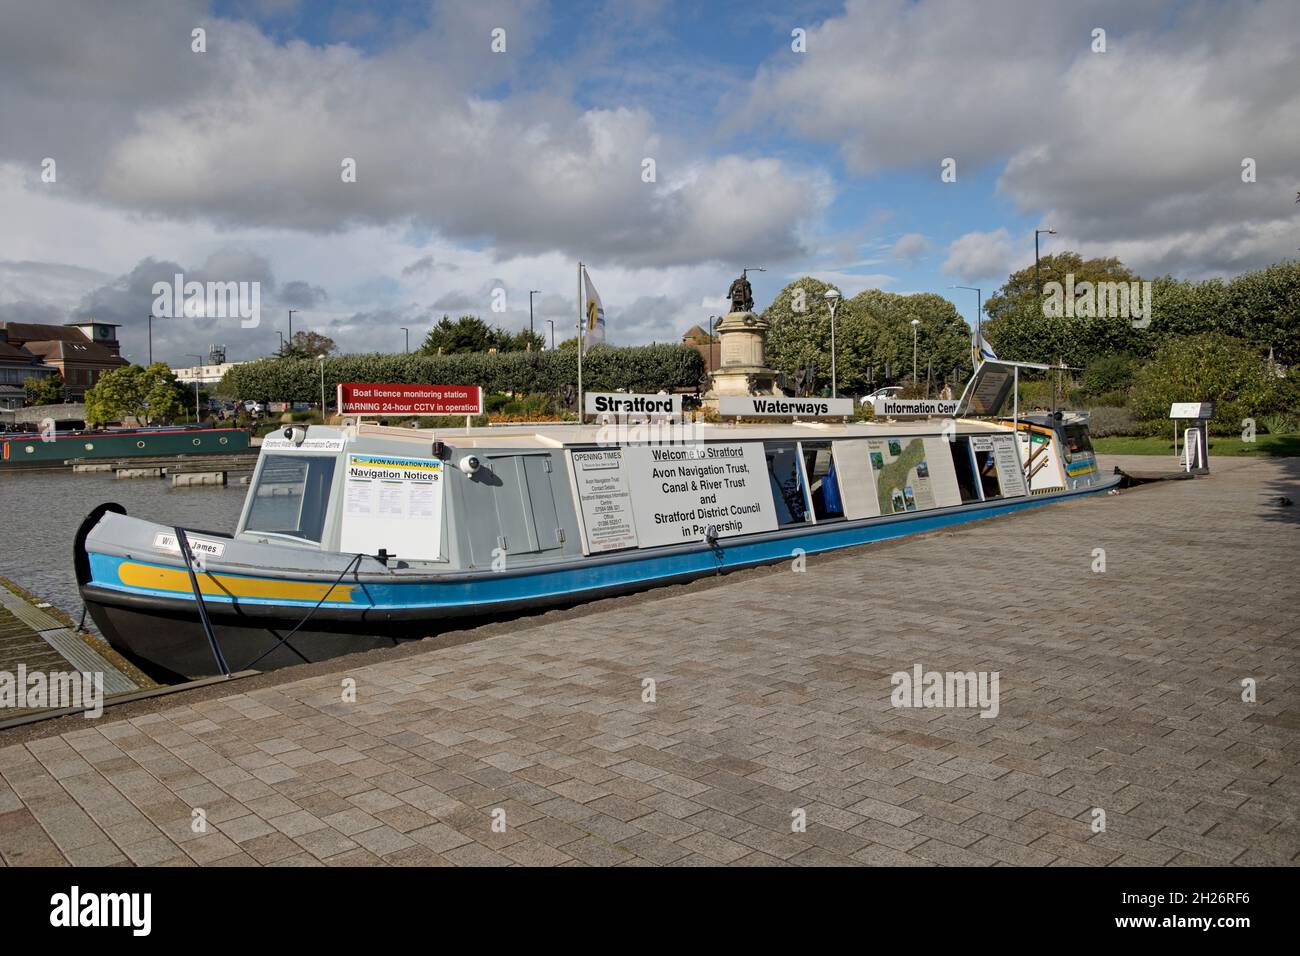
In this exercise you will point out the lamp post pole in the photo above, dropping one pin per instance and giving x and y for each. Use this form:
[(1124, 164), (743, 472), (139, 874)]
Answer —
[(321, 359), (196, 383), (916, 324), (150, 338), (531, 293), (832, 297), (1038, 287), (291, 312)]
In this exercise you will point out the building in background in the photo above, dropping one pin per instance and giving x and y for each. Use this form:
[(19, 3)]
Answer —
[(79, 351), (707, 346), (209, 374)]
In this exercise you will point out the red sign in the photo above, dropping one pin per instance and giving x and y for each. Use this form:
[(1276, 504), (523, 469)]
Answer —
[(361, 398)]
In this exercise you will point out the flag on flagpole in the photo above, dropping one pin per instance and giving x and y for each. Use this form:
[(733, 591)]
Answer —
[(595, 328), (980, 350)]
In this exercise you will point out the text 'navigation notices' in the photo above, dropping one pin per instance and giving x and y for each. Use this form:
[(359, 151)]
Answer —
[(604, 499), (395, 504), (679, 492)]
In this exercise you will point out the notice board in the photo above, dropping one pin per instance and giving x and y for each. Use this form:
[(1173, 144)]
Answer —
[(395, 504)]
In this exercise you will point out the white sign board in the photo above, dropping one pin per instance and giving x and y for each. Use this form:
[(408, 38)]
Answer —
[(395, 504), (679, 492), (623, 404), (1011, 475), (277, 442), (199, 547), (915, 407), (604, 502), (749, 406), (1185, 410)]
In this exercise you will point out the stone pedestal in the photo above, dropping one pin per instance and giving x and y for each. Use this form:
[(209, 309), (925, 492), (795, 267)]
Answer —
[(741, 371)]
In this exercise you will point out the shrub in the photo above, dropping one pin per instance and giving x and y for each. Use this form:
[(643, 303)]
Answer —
[(1215, 368), (1106, 421), (1109, 374)]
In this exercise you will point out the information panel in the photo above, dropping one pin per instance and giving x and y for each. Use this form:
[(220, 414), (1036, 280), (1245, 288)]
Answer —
[(680, 491), (912, 474), (604, 502), (395, 504)]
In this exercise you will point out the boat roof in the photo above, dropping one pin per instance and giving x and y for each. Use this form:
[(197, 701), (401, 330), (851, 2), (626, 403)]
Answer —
[(562, 434)]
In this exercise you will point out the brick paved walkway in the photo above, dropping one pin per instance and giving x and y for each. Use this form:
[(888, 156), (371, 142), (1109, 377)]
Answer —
[(1120, 691)]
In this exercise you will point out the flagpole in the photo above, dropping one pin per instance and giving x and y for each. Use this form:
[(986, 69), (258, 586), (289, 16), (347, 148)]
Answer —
[(581, 329)]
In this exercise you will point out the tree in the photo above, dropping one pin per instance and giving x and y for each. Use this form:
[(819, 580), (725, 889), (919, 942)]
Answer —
[(43, 391), (308, 345), (469, 333), (873, 334), (1019, 287), (148, 395), (1212, 367)]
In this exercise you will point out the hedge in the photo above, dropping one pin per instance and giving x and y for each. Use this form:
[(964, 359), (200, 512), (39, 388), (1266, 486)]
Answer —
[(645, 368)]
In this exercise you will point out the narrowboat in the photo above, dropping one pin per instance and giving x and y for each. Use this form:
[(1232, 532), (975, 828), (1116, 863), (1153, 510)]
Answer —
[(54, 448), (360, 535)]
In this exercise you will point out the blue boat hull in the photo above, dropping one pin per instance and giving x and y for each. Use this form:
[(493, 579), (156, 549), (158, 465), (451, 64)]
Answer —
[(268, 621)]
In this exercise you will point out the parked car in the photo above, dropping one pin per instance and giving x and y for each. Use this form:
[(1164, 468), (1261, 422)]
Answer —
[(891, 391), (254, 408)]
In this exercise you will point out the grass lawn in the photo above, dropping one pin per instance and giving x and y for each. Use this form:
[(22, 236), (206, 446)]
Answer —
[(1272, 446)]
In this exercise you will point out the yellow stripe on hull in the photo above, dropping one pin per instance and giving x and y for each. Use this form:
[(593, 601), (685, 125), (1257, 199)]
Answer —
[(224, 585)]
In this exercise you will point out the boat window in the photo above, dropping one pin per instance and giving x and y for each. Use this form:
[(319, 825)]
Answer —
[(291, 496), (961, 464), (1077, 441), (787, 484), (823, 483)]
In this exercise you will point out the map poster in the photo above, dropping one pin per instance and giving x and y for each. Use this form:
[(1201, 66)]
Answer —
[(604, 502), (679, 492), (394, 504), (902, 474)]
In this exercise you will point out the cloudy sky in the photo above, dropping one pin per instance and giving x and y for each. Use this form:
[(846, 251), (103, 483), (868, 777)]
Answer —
[(478, 169)]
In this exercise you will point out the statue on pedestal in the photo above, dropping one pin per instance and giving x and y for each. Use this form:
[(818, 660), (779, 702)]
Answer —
[(741, 294)]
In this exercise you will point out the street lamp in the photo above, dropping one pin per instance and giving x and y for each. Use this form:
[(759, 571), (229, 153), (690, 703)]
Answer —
[(196, 383), (321, 359), (916, 324), (832, 298), (531, 293), (1051, 232), (551, 323), (408, 337)]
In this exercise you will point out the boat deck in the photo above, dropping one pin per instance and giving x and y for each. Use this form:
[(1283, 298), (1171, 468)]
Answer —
[(1119, 691)]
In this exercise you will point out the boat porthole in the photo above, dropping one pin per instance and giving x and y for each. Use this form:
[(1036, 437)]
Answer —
[(223, 440), (139, 444), (29, 449), (90, 446), (195, 441)]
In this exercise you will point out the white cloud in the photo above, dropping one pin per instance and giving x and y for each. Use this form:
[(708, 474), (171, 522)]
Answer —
[(1138, 147), (911, 246), (980, 255)]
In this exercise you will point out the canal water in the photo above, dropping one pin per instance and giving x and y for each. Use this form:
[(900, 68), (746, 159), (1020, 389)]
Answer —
[(40, 513)]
